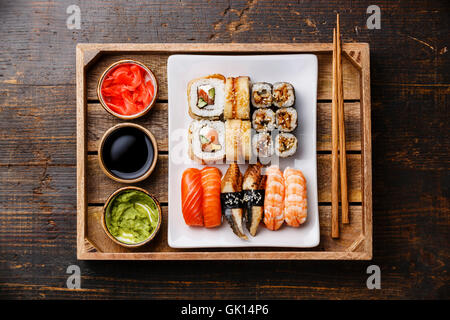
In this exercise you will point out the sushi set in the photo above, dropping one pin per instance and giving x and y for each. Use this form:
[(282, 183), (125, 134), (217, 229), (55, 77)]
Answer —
[(218, 151), (221, 133)]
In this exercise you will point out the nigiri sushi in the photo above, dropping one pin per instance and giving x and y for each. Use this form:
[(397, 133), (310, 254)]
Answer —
[(192, 197), (295, 201), (253, 197), (212, 211), (231, 199), (274, 199)]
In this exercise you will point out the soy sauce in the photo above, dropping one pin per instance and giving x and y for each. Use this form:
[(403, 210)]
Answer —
[(128, 153)]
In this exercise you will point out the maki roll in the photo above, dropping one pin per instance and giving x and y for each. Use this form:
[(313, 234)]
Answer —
[(283, 95), (206, 97), (285, 144), (286, 119), (263, 120), (237, 98), (238, 140), (206, 141), (262, 145), (261, 95)]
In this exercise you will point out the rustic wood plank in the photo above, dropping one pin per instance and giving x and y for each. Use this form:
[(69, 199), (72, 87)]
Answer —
[(366, 137), (410, 85), (156, 121), (99, 186), (352, 115), (424, 42), (158, 64), (324, 177), (81, 151), (38, 125), (44, 130), (350, 234), (99, 121)]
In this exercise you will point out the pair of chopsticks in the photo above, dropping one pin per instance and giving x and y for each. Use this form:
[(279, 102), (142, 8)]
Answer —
[(338, 159)]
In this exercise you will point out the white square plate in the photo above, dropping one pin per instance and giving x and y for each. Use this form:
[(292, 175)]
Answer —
[(298, 69)]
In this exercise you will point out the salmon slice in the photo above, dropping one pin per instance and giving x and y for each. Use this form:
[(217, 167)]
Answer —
[(212, 212), (192, 197)]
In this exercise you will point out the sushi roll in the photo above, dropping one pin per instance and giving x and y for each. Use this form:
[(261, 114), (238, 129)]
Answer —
[(263, 120), (206, 141), (262, 144), (206, 97), (237, 98), (261, 95), (286, 119), (285, 144), (283, 95), (238, 140)]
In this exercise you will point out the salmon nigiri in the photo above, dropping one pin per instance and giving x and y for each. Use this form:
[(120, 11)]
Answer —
[(192, 197), (212, 211), (295, 201), (274, 198)]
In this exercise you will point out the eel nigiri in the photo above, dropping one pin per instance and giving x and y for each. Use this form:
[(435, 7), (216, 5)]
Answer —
[(212, 211), (274, 199), (253, 197), (231, 199), (295, 201), (192, 197)]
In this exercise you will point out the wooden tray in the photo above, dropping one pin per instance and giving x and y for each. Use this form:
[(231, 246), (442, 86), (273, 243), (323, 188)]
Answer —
[(93, 186)]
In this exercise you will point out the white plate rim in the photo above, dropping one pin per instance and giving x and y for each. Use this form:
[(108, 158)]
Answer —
[(316, 241)]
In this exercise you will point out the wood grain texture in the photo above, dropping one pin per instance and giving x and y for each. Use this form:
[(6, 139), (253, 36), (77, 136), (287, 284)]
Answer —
[(157, 183), (100, 187), (410, 88), (82, 116), (93, 55), (158, 64), (156, 121), (347, 243), (99, 121)]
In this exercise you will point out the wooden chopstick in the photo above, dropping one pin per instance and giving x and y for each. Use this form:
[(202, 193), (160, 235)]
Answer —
[(334, 142), (342, 147)]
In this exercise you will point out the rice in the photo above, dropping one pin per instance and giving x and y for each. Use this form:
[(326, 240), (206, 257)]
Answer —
[(286, 119), (283, 95), (196, 145), (263, 120), (209, 111), (285, 144), (261, 95), (262, 145)]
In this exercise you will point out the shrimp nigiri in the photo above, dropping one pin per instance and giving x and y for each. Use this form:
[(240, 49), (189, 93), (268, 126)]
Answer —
[(274, 199), (295, 201), (192, 197), (212, 211)]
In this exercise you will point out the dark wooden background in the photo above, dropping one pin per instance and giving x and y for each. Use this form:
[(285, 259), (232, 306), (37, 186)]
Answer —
[(410, 76)]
